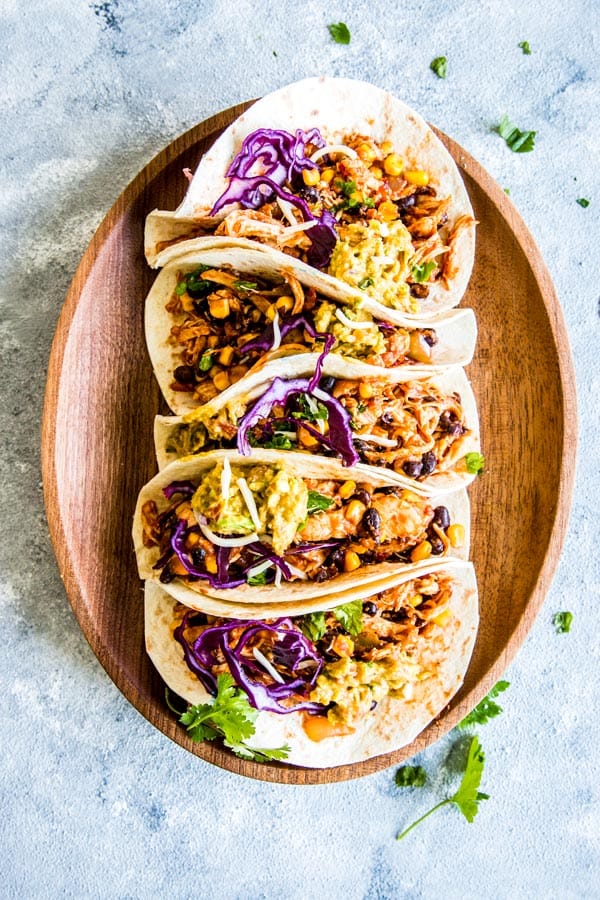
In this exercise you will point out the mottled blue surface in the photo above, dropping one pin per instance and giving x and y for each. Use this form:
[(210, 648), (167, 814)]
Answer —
[(97, 803)]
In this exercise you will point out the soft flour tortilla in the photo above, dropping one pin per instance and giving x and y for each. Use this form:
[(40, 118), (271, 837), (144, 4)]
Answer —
[(191, 468), (390, 726), (338, 107), (456, 329), (239, 398)]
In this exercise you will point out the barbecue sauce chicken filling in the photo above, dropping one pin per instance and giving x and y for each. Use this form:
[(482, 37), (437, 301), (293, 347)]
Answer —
[(346, 660), (262, 525), (226, 322), (356, 210), (412, 428)]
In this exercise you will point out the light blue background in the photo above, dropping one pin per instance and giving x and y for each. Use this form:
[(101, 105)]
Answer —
[(95, 802)]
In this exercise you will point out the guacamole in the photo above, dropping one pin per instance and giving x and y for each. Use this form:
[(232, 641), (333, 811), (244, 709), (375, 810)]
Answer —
[(356, 343)]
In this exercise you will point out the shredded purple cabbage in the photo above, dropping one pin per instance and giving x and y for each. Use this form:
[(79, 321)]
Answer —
[(221, 579), (179, 487), (291, 651), (265, 341)]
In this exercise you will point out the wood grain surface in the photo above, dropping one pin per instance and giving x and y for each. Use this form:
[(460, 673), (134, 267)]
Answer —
[(101, 399)]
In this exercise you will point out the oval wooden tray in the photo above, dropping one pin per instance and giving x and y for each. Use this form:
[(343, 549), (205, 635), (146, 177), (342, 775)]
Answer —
[(97, 451)]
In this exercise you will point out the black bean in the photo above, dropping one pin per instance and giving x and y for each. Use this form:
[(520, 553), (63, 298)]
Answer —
[(198, 555), (361, 447), (369, 608), (337, 558), (363, 496), (429, 462), (308, 193), (327, 383), (406, 202), (166, 575), (198, 618), (419, 290), (390, 490), (371, 522), (185, 375), (412, 467), (430, 337), (387, 418), (441, 517), (437, 546)]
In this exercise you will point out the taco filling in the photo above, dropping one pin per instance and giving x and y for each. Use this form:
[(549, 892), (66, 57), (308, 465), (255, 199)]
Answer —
[(413, 428), (355, 209), (225, 323), (336, 666), (262, 524)]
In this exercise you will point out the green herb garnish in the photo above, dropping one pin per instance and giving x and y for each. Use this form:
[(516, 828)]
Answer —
[(246, 285), (583, 202), (278, 442), (524, 45), (562, 622), (258, 579), (317, 502), (350, 616), (422, 273), (205, 362), (439, 66), (313, 626), (339, 32), (310, 409), (518, 141), (475, 463), (486, 709), (230, 716), (365, 283), (506, 191), (411, 776), (468, 795)]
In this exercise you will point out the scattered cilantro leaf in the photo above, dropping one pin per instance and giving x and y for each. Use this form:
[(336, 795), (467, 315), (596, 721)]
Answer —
[(311, 410), (524, 45), (278, 442), (518, 141), (350, 616), (258, 579), (468, 795), (583, 202), (360, 407), (421, 273), (262, 754), (274, 53), (411, 776), (367, 282), (346, 188), (313, 626), (317, 502), (246, 285), (506, 191), (439, 66), (486, 709), (475, 463), (562, 622), (339, 32)]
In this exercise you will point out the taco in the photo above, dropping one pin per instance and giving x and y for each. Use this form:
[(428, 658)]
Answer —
[(336, 685), (346, 179), (263, 529), (417, 431), (213, 316)]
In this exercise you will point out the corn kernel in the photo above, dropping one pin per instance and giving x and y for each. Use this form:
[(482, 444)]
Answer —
[(343, 645), (365, 390), (306, 438), (393, 164), (226, 355), (177, 567), (237, 372), (367, 153), (221, 380), (417, 176), (327, 175), (285, 303), (357, 196), (355, 511), (443, 618), (310, 177), (218, 306), (415, 601), (386, 148), (351, 561), (456, 535), (388, 211), (421, 551), (211, 565), (213, 340), (270, 312), (411, 497), (376, 172), (347, 489)]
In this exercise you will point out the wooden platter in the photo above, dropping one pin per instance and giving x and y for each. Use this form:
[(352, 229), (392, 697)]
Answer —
[(101, 399)]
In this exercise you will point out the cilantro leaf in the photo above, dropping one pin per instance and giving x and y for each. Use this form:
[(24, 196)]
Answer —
[(246, 285), (518, 141), (258, 579), (313, 626), (486, 709), (411, 776), (339, 32), (230, 716), (279, 442), (475, 463), (524, 45), (583, 202), (562, 622), (506, 191), (422, 273), (310, 409), (350, 616), (439, 66), (468, 796), (317, 502), (367, 282)]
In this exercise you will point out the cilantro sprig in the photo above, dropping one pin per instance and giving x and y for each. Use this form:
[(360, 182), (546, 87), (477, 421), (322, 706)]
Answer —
[(518, 141), (468, 796), (486, 709), (229, 716)]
